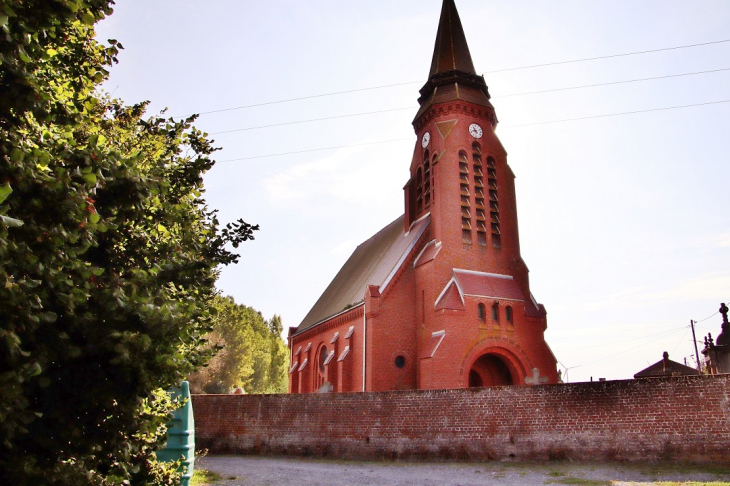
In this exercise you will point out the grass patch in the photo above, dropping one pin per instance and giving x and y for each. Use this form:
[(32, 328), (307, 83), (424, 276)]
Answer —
[(203, 477), (581, 481)]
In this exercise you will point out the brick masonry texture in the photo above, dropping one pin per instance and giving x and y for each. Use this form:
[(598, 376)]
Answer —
[(683, 418)]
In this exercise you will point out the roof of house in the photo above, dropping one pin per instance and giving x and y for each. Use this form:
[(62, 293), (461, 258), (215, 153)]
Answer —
[(374, 262), (666, 367)]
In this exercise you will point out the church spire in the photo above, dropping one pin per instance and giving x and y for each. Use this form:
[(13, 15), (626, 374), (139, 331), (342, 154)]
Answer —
[(452, 76), (451, 53)]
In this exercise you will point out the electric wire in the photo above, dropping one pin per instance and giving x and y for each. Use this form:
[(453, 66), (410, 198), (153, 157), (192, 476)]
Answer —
[(334, 117), (617, 354), (681, 339), (508, 126), (624, 341), (668, 333), (556, 63), (607, 115), (609, 56), (611, 83), (316, 150)]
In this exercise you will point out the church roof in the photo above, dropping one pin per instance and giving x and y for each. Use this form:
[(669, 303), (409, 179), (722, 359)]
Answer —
[(482, 284), (488, 285), (451, 51), (374, 262), (452, 75), (666, 367)]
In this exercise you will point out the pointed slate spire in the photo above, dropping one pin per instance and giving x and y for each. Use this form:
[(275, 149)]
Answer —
[(452, 76)]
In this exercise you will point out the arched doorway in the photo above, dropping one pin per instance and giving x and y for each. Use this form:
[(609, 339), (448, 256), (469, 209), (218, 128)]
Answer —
[(490, 370)]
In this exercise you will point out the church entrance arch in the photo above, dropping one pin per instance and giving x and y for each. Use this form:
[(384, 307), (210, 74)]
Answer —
[(490, 370), (494, 366)]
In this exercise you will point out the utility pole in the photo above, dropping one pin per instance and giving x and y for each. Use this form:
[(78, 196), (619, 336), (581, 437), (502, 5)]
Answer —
[(694, 340)]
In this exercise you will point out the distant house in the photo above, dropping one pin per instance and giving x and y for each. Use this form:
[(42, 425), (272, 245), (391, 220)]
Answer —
[(666, 367)]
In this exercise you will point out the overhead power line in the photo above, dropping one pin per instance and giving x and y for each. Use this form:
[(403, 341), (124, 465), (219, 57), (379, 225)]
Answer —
[(274, 125), (609, 56), (321, 149), (606, 115), (602, 345), (623, 351), (317, 150), (611, 83), (335, 117), (556, 63)]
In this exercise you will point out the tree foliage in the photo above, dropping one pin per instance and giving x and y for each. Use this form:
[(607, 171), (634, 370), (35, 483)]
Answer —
[(108, 257), (253, 356)]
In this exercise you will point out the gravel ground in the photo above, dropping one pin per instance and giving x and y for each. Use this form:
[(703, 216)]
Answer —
[(276, 471)]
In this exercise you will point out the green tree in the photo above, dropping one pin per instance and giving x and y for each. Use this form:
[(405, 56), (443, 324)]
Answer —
[(108, 257), (253, 356)]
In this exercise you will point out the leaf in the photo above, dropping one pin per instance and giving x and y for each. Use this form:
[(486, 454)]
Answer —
[(11, 222), (90, 178), (16, 155), (3, 20), (5, 191), (88, 18), (50, 52), (94, 218)]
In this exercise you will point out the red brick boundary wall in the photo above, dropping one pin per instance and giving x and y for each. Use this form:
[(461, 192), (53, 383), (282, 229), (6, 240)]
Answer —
[(686, 418)]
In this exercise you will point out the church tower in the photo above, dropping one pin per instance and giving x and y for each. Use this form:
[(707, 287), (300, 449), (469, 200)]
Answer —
[(460, 177), (440, 297)]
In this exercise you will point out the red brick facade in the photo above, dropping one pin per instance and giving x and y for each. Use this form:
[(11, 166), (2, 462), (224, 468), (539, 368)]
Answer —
[(683, 418), (439, 298)]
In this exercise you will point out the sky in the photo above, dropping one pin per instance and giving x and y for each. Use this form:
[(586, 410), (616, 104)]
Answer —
[(623, 199)]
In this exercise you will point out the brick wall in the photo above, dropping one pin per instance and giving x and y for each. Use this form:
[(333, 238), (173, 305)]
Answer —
[(685, 418)]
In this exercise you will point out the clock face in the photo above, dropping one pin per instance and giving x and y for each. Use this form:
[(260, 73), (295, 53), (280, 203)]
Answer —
[(426, 138), (475, 130)]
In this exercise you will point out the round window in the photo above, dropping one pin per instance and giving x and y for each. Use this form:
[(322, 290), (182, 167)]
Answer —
[(400, 361)]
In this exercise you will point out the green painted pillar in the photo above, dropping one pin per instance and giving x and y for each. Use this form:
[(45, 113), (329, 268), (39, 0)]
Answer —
[(181, 435)]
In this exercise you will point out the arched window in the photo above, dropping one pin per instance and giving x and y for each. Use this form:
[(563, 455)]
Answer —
[(320, 377), (419, 190), (493, 202), (426, 182), (479, 193), (495, 312), (322, 357), (508, 314), (465, 197), (481, 312)]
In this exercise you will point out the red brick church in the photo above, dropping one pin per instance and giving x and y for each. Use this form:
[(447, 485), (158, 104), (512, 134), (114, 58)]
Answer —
[(440, 297)]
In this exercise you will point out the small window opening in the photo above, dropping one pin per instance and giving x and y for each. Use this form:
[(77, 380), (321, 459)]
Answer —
[(508, 314), (400, 361), (481, 312), (322, 358), (495, 312)]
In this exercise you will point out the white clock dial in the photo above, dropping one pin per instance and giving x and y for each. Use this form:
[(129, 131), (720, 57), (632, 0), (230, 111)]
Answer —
[(475, 130), (426, 138)]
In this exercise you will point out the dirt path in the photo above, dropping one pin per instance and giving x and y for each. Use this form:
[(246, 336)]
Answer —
[(277, 471)]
